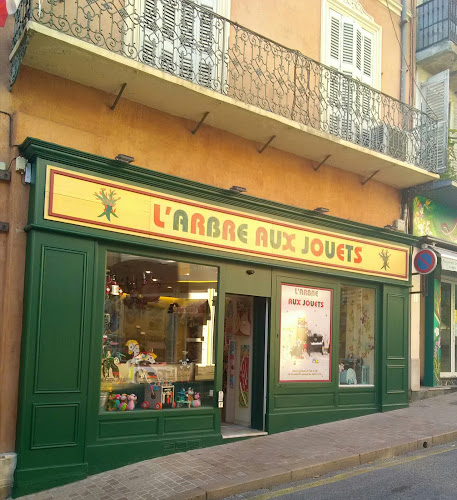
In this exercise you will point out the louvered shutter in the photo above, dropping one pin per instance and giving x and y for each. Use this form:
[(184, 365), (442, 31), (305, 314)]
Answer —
[(367, 58), (435, 102), (334, 42), (347, 46), (169, 36), (453, 133), (150, 33), (186, 50), (207, 43)]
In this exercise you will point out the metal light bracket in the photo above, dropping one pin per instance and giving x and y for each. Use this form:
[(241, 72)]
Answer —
[(200, 123), (321, 163), (113, 107), (266, 144), (5, 175)]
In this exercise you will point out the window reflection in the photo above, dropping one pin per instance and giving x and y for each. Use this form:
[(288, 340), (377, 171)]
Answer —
[(357, 342), (158, 338)]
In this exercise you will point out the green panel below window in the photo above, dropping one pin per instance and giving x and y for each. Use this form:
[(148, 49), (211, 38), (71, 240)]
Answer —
[(189, 423), (303, 400), (351, 398), (124, 428), (55, 425)]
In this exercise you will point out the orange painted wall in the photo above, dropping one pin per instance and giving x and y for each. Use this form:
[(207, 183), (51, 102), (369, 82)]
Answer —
[(60, 111), (274, 20)]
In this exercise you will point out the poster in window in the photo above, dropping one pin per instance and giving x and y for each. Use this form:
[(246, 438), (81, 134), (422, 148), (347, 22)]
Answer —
[(305, 334)]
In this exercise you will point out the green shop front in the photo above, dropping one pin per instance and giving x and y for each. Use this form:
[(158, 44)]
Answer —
[(163, 315), (435, 220)]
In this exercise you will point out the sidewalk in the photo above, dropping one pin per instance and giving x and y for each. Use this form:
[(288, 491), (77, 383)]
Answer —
[(225, 470)]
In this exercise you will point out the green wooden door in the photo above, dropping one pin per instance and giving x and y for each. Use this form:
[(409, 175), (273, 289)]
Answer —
[(55, 361), (395, 348)]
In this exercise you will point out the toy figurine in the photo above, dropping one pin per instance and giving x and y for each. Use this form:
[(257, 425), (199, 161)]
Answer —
[(196, 401), (111, 403), (131, 402), (123, 402), (181, 397), (117, 400)]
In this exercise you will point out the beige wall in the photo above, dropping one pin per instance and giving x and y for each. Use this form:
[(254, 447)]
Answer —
[(60, 111)]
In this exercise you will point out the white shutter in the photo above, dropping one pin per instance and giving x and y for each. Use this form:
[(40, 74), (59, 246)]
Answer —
[(435, 102), (347, 53), (334, 40), (149, 35), (453, 122), (367, 58), (186, 49), (207, 43)]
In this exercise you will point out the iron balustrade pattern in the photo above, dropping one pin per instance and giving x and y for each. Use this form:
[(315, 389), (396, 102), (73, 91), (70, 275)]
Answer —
[(437, 22), (202, 47)]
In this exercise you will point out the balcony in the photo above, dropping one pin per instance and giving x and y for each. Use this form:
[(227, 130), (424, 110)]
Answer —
[(436, 47), (185, 60)]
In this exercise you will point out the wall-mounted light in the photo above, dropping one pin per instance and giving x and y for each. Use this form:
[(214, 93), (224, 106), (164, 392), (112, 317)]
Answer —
[(124, 158), (238, 189), (322, 210)]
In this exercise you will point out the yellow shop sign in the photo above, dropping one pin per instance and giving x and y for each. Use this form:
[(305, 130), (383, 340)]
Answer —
[(93, 202)]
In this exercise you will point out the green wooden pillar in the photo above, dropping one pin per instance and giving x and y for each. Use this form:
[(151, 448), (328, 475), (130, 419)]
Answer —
[(432, 353)]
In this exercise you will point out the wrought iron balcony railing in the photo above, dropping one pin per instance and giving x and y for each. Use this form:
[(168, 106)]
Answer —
[(437, 22), (198, 45)]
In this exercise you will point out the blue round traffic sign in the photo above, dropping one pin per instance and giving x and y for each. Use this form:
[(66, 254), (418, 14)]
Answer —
[(425, 261)]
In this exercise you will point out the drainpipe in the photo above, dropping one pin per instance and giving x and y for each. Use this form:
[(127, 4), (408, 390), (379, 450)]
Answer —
[(403, 23)]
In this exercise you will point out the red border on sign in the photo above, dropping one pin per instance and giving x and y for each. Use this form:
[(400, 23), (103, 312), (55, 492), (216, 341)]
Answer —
[(52, 213), (426, 251), (330, 353)]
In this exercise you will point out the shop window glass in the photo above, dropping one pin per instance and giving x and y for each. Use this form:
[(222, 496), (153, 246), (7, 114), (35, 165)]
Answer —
[(445, 327), (158, 334), (357, 336)]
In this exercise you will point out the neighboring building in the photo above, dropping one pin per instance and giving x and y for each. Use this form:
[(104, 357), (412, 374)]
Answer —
[(433, 206), (149, 280)]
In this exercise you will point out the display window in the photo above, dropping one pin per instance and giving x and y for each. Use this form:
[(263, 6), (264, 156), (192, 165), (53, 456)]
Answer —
[(158, 334), (357, 336), (448, 330)]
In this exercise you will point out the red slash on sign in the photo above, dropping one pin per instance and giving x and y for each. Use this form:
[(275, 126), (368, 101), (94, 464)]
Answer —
[(425, 261)]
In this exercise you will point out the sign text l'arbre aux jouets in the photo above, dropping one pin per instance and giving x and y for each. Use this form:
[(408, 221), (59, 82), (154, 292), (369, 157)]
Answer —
[(93, 202)]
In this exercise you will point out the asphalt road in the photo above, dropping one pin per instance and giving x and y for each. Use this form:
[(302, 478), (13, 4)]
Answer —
[(429, 474)]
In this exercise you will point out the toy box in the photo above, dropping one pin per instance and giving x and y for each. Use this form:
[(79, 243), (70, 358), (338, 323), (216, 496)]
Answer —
[(159, 396)]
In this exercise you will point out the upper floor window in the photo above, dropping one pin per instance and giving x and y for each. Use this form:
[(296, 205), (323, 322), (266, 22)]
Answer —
[(351, 41), (184, 38)]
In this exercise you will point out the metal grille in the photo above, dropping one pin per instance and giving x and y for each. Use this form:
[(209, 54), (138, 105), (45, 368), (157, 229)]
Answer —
[(437, 21), (196, 44)]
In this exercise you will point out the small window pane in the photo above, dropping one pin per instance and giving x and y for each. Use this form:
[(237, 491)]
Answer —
[(158, 336), (357, 329)]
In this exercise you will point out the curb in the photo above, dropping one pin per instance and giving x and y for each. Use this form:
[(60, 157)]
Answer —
[(277, 476)]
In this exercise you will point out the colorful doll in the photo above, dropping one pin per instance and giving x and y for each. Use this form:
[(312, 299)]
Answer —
[(131, 402), (123, 402), (196, 401)]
